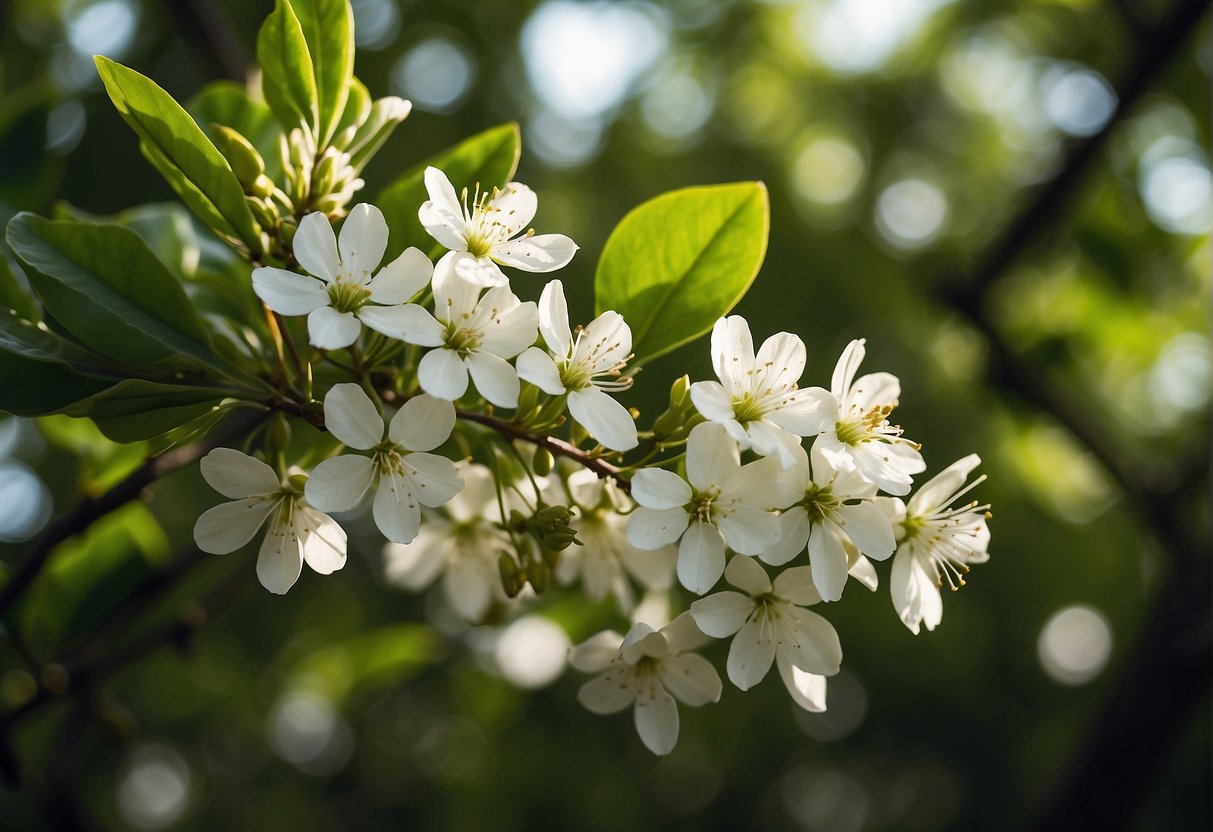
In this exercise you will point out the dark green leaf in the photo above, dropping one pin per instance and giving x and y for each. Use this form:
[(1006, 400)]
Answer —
[(134, 409), (328, 28), (166, 228), (178, 148), (287, 75), (35, 388), (21, 336), (489, 158), (15, 292), (681, 260)]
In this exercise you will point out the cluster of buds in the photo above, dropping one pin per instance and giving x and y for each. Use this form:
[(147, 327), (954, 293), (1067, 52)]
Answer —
[(550, 527)]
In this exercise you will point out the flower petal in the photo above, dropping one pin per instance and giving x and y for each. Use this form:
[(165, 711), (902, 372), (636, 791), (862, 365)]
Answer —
[(796, 585), (408, 322), (610, 692), (700, 557), (329, 329), (808, 690), (396, 510), (596, 653), (809, 641), (828, 559), (468, 586), (416, 565), (712, 401), (516, 326), (722, 614), (845, 369), (496, 380), (442, 374), (793, 537), (711, 456), (554, 319), (941, 489), (751, 654), (400, 280), (733, 354), (650, 529), (288, 293), (435, 478), (340, 483), (780, 361), (605, 343), (478, 271), (660, 489), (810, 411), (315, 247), (513, 207), (362, 242), (442, 215), (690, 678), (656, 716), (422, 423), (537, 367), (228, 526), (280, 560), (745, 574), (683, 634), (606, 419), (322, 539), (351, 416), (540, 253), (869, 529), (236, 475), (875, 389), (749, 530)]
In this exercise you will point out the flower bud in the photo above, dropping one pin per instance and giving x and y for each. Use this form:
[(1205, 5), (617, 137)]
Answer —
[(542, 461)]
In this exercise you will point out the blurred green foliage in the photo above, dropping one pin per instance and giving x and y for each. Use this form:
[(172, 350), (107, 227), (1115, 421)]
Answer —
[(895, 143)]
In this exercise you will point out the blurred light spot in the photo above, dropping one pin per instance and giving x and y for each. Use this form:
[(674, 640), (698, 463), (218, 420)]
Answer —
[(436, 74), (988, 73), (828, 170), (531, 652), (1176, 186), (1181, 375), (1078, 100), (562, 143), (862, 35), (824, 800), (26, 502), (582, 58), (677, 107), (65, 126), (154, 789), (911, 213), (305, 731), (71, 71), (11, 430), (1075, 645), (452, 750), (846, 707), (101, 28), (376, 23)]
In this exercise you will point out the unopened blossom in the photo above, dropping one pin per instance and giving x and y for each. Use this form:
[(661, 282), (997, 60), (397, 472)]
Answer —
[(859, 436), (937, 542), (758, 398), (834, 508), (721, 502), (463, 547), (403, 476), (474, 334), (341, 295), (771, 624), (648, 669), (606, 562), (583, 368), (297, 531), (484, 231)]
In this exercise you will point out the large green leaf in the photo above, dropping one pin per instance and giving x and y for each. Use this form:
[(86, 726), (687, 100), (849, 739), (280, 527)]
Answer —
[(14, 290), (165, 227), (489, 158), (328, 28), (226, 103), (177, 147), (681, 260), (109, 291), (287, 75), (134, 410), (35, 388), (31, 339)]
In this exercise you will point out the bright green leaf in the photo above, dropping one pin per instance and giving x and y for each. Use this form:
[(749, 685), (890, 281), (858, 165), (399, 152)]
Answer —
[(356, 107), (489, 158), (681, 260), (287, 75), (328, 28), (178, 148), (226, 103)]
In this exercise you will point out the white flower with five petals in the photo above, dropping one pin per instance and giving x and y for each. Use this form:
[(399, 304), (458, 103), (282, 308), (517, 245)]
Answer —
[(297, 531), (859, 436), (721, 502), (484, 233), (936, 543), (600, 350), (771, 625), (474, 334), (403, 476), (648, 669), (758, 398), (341, 295)]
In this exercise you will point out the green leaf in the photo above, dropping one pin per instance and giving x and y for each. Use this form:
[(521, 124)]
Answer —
[(110, 292), (177, 147), (328, 28), (681, 260), (226, 103), (489, 158), (36, 388), (165, 227), (287, 76), (134, 409), (15, 291), (22, 336), (356, 107), (370, 660)]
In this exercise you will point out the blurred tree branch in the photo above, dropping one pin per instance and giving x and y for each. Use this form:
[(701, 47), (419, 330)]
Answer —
[(1167, 674)]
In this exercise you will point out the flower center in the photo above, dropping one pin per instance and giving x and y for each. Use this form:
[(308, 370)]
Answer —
[(820, 504), (747, 409), (702, 504), (461, 339), (870, 425), (483, 229), (348, 297), (574, 376)]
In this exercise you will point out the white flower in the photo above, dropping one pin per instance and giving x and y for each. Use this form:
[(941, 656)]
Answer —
[(342, 295), (644, 669), (834, 509), (771, 624), (403, 478), (475, 334), (601, 349), (463, 549), (481, 234), (606, 558), (297, 532), (758, 399), (936, 543), (725, 502), (861, 438)]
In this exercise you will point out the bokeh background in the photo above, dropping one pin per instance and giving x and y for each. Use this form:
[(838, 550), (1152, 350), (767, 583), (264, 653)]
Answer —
[(900, 140)]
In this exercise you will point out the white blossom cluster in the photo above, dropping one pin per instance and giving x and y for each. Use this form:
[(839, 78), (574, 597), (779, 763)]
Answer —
[(771, 470)]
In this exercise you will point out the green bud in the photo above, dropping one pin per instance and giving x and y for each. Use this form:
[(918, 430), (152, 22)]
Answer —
[(297, 482), (542, 461), (538, 574), (246, 162), (676, 422), (511, 577)]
